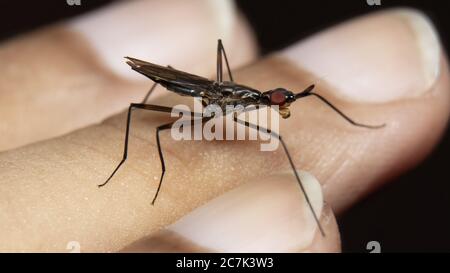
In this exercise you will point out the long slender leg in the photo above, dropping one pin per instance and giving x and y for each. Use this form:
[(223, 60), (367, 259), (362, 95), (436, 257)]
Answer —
[(161, 156), (149, 92), (149, 107), (220, 51), (291, 162), (125, 150)]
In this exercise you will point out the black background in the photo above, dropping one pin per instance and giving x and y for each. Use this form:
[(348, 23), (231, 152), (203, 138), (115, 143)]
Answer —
[(411, 213)]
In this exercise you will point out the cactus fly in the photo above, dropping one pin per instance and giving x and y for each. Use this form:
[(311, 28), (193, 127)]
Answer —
[(222, 93)]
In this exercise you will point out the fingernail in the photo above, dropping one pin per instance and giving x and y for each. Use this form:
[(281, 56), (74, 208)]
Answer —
[(377, 58), (269, 215), (179, 33)]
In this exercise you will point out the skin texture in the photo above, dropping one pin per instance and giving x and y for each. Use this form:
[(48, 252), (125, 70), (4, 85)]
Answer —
[(72, 70), (79, 163), (167, 240), (78, 77), (62, 184), (48, 189)]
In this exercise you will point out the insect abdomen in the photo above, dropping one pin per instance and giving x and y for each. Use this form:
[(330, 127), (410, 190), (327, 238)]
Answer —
[(182, 90)]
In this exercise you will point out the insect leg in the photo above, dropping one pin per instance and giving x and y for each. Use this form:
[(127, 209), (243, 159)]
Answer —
[(161, 157), (151, 90), (149, 107), (220, 51), (291, 162)]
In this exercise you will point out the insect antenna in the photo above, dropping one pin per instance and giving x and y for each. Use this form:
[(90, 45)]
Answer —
[(308, 92)]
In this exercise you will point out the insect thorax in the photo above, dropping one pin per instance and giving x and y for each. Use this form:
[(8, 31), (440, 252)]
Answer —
[(235, 94)]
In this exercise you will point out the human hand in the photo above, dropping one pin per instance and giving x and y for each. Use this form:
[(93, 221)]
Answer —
[(49, 188)]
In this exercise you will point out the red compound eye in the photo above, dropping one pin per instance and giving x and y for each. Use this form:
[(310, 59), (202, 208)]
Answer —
[(277, 98)]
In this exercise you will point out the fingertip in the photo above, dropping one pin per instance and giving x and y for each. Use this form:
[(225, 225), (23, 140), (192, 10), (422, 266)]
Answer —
[(381, 57), (150, 30), (331, 242), (261, 216), (268, 215)]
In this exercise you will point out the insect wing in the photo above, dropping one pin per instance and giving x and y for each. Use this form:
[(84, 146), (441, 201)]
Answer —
[(167, 75)]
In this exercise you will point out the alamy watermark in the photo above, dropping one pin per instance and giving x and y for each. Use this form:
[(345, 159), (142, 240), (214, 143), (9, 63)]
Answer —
[(217, 123), (73, 2), (374, 247), (73, 247), (373, 2)]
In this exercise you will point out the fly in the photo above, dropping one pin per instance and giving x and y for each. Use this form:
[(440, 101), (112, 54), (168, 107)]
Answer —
[(222, 93)]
